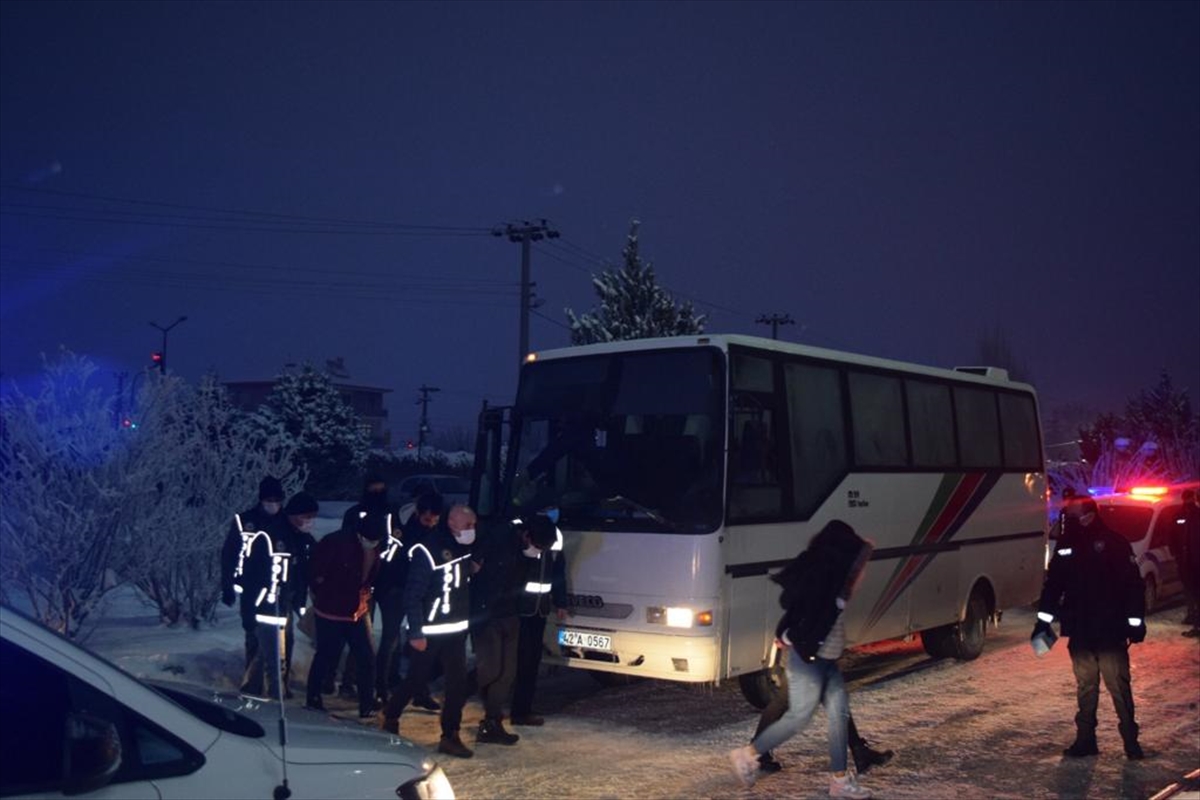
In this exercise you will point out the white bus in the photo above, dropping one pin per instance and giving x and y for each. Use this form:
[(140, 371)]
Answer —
[(686, 469)]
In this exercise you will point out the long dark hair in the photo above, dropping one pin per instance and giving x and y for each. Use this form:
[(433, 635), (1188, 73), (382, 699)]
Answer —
[(835, 553)]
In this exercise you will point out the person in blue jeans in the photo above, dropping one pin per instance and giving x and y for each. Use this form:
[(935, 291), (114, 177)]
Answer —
[(816, 587)]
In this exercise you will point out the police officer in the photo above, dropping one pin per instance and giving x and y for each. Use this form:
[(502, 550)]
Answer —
[(259, 518), (1094, 590), (437, 606), (545, 590)]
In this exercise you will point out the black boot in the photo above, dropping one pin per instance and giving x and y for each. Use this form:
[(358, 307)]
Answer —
[(491, 731), (1084, 745), (865, 757), (768, 764), (1129, 735), (453, 746)]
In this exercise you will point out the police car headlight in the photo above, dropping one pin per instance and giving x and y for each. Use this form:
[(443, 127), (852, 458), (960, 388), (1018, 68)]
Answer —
[(433, 785)]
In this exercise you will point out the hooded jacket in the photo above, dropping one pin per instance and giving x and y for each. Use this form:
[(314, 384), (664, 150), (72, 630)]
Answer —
[(815, 581)]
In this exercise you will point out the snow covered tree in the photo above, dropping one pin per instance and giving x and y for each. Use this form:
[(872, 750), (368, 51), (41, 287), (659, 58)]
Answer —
[(200, 461), (330, 439), (63, 466), (632, 304), (1154, 440)]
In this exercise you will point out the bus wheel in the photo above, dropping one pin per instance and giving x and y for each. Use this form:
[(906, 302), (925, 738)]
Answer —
[(759, 687), (963, 640)]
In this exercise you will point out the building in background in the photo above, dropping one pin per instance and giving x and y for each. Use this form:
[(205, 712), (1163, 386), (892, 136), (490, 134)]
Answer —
[(367, 401)]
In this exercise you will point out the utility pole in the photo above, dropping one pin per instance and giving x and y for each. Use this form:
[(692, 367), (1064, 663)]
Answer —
[(119, 410), (524, 233), (423, 402), (775, 320), (162, 357)]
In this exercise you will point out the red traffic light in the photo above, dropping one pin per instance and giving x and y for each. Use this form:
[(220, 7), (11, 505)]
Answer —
[(156, 357)]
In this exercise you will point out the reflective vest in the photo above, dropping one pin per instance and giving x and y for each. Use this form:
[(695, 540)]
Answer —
[(263, 571), (539, 576), (446, 609)]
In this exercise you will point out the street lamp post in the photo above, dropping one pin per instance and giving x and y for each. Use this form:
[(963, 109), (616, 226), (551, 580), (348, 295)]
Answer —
[(162, 361)]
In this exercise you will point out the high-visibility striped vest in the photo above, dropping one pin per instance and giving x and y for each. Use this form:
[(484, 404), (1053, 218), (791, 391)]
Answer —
[(447, 611)]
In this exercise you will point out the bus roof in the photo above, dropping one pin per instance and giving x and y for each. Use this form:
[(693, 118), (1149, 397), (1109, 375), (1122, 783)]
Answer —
[(992, 376)]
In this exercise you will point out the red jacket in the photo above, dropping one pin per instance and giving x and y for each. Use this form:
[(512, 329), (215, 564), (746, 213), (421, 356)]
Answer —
[(339, 586)]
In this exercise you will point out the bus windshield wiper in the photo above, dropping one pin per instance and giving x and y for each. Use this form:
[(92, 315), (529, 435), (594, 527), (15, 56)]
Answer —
[(633, 505)]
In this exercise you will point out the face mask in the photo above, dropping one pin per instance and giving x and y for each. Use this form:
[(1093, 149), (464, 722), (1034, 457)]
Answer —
[(532, 552), (366, 543), (271, 507), (465, 536)]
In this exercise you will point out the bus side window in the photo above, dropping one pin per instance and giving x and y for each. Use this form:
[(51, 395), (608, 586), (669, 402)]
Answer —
[(755, 491), (818, 434)]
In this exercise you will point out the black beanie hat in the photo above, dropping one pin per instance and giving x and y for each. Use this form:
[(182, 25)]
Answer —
[(270, 488), (301, 503), (372, 525)]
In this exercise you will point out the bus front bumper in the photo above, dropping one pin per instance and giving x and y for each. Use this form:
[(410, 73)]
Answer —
[(690, 659)]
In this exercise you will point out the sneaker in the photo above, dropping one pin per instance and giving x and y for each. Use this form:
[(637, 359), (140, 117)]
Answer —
[(491, 731), (453, 746), (427, 703), (528, 719), (768, 764), (847, 786), (866, 757), (745, 764)]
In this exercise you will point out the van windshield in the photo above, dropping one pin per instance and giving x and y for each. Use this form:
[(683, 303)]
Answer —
[(1132, 522)]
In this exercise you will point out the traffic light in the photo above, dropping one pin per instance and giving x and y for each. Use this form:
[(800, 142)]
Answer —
[(156, 357)]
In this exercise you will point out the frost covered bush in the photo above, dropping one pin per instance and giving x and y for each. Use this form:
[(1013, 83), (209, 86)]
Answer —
[(205, 459), (64, 471), (85, 499)]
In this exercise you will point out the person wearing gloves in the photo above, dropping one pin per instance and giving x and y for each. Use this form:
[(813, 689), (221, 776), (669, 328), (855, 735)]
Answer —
[(817, 584), (1093, 589), (437, 606)]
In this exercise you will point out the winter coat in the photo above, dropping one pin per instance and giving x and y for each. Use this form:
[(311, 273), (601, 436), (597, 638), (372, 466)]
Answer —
[(814, 582), (1187, 547), (251, 520), (337, 581), (497, 586), (1093, 587), (545, 581), (287, 593), (437, 600)]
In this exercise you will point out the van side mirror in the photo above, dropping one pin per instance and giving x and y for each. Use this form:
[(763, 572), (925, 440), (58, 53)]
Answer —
[(92, 753)]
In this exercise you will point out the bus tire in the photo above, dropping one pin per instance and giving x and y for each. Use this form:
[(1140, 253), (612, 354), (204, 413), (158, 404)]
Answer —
[(962, 640), (759, 687)]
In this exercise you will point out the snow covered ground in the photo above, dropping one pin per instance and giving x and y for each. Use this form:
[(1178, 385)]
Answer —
[(994, 727)]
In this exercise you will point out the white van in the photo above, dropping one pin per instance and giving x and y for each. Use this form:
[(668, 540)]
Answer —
[(76, 725), (1147, 517)]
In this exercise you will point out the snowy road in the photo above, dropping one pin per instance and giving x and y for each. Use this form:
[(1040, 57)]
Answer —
[(993, 727)]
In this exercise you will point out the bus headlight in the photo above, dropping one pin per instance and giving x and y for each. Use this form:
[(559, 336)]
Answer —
[(678, 617)]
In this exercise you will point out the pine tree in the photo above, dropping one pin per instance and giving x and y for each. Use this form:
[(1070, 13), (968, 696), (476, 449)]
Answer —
[(632, 304), (330, 438)]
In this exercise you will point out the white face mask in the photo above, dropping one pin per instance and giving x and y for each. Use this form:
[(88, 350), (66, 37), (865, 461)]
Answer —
[(465, 536), (271, 507), (366, 543), (532, 552)]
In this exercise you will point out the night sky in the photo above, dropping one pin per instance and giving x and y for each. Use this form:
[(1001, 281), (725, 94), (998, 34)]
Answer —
[(307, 181)]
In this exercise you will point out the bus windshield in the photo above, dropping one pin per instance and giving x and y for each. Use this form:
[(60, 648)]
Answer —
[(627, 441)]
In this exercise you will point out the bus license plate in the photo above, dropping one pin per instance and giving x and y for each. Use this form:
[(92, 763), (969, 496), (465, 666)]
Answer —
[(589, 641)]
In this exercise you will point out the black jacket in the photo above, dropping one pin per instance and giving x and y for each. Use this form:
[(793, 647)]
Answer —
[(544, 586), (251, 520), (291, 586), (813, 582), (436, 596), (1093, 586), (497, 586)]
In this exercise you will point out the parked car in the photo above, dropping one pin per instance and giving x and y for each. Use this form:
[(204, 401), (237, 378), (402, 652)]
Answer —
[(452, 488), (77, 725)]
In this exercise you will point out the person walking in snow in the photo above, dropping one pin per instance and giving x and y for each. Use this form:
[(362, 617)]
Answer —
[(261, 517), (341, 573), (817, 586), (423, 523), (1185, 546), (1094, 590), (438, 606), (544, 592)]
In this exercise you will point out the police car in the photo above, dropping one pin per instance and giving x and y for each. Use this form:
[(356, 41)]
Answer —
[(77, 725), (1147, 516)]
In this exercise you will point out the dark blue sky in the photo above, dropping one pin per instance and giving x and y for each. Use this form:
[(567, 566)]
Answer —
[(899, 178)]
